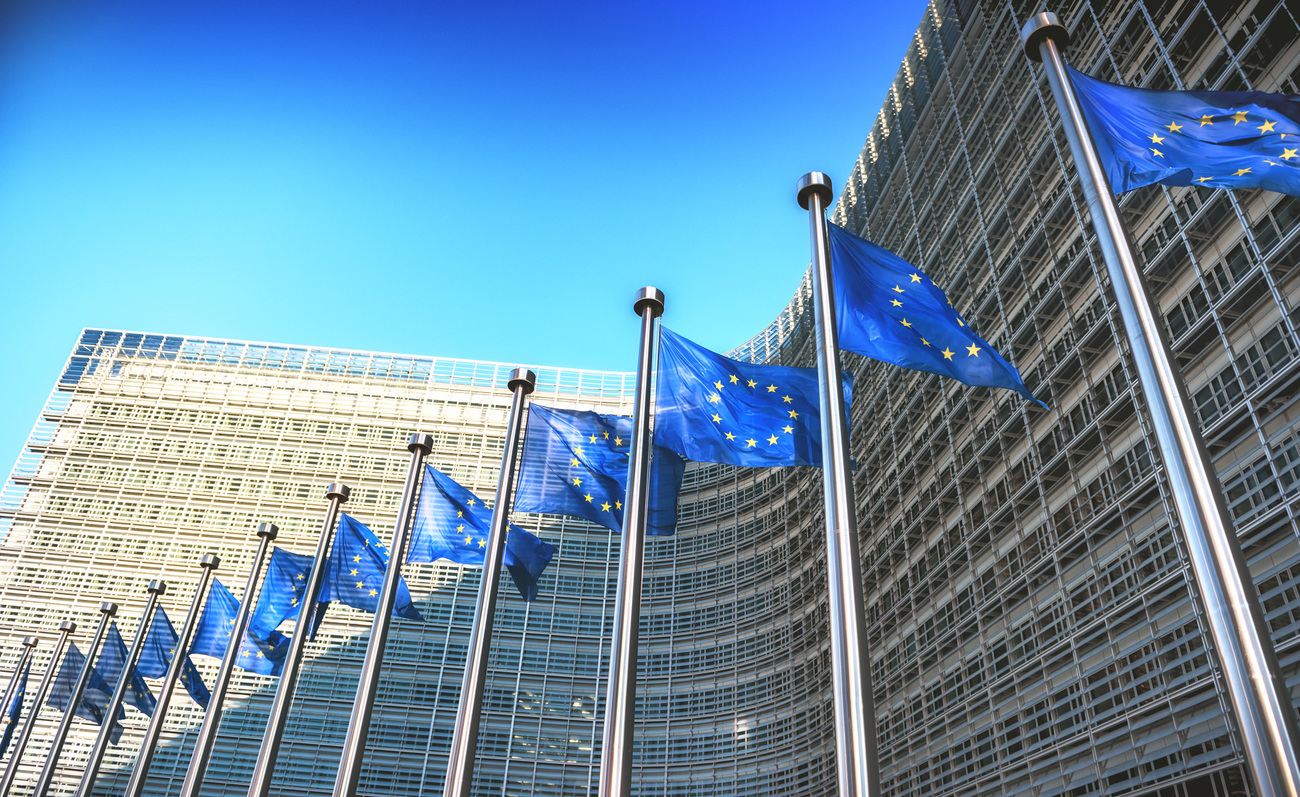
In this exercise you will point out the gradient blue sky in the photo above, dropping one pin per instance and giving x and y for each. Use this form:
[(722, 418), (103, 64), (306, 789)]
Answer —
[(489, 180)]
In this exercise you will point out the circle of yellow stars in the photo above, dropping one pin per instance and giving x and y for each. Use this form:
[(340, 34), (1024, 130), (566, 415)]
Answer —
[(750, 384), (1290, 156), (595, 438), (972, 350)]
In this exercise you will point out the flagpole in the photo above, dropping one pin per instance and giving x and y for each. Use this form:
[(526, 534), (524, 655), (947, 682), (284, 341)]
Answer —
[(1259, 695), (143, 759), (855, 721), (464, 740), (212, 717), (260, 786), (91, 770), (66, 629), (620, 695), (29, 643), (354, 744), (106, 611)]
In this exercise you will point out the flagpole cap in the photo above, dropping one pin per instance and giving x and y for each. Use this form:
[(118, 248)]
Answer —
[(338, 490), (210, 560), (31, 641), (1041, 27), (651, 298), (522, 379), (68, 625), (158, 587), (814, 183), (108, 607), (419, 442), (268, 530)]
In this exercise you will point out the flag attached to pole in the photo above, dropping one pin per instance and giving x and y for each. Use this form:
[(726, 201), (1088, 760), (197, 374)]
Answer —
[(710, 408), (216, 625), (282, 592), (575, 463), (355, 573), (160, 649), (1219, 139), (111, 662), (453, 523), (94, 700), (888, 310), (14, 711)]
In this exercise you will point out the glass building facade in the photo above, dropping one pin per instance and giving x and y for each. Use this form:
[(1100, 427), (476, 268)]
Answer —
[(1033, 627)]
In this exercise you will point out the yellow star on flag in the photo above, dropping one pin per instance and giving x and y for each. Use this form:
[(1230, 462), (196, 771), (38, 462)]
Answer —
[(974, 350), (1267, 127), (1173, 127), (1238, 118)]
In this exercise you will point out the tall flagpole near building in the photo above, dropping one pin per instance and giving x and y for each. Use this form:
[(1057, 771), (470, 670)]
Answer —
[(855, 721), (1259, 696), (66, 629), (354, 745), (337, 493), (620, 697), (180, 655), (91, 770), (202, 754), (29, 644), (106, 611), (464, 740)]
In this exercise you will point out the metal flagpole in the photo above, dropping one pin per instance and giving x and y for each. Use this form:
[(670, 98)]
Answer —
[(620, 695), (144, 758), (66, 629), (354, 745), (212, 717), (91, 771), (337, 493), (1259, 696), (106, 611), (29, 644), (464, 740), (855, 716)]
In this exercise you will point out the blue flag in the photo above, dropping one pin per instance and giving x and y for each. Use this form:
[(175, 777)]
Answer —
[(216, 626), (283, 589), (15, 710), (111, 662), (94, 700), (355, 573), (1220, 139), (710, 408), (160, 649), (452, 523), (888, 310), (576, 462)]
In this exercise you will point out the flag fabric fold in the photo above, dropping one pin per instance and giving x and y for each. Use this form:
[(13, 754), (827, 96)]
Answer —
[(283, 588), (1218, 139), (111, 663), (216, 626), (160, 649), (14, 711), (452, 523), (356, 569), (888, 310), (575, 462), (710, 408), (94, 700)]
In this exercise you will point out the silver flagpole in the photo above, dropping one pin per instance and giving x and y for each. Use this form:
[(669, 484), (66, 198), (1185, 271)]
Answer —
[(855, 716), (337, 493), (212, 717), (91, 771), (66, 629), (135, 786), (106, 612), (354, 745), (29, 644), (620, 696), (464, 740), (1259, 696)]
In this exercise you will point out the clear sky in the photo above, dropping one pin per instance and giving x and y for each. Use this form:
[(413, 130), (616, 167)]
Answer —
[(489, 180)]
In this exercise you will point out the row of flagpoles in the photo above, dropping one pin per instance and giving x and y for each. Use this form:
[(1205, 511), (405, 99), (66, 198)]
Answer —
[(608, 469)]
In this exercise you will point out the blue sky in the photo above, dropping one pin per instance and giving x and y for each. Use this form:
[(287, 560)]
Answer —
[(488, 180)]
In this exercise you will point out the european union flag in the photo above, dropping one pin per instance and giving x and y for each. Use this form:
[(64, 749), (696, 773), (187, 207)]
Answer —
[(15, 710), (212, 637), (112, 660), (575, 463), (160, 649), (453, 523), (710, 408), (356, 571), (283, 589), (888, 310), (94, 700), (1220, 139)]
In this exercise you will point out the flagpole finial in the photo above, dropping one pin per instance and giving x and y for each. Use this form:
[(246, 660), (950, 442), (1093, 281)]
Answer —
[(31, 641), (210, 561), (108, 607), (68, 625), (158, 587), (814, 183), (1040, 27), (418, 441), (338, 490), (268, 530), (522, 378), (651, 298)]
